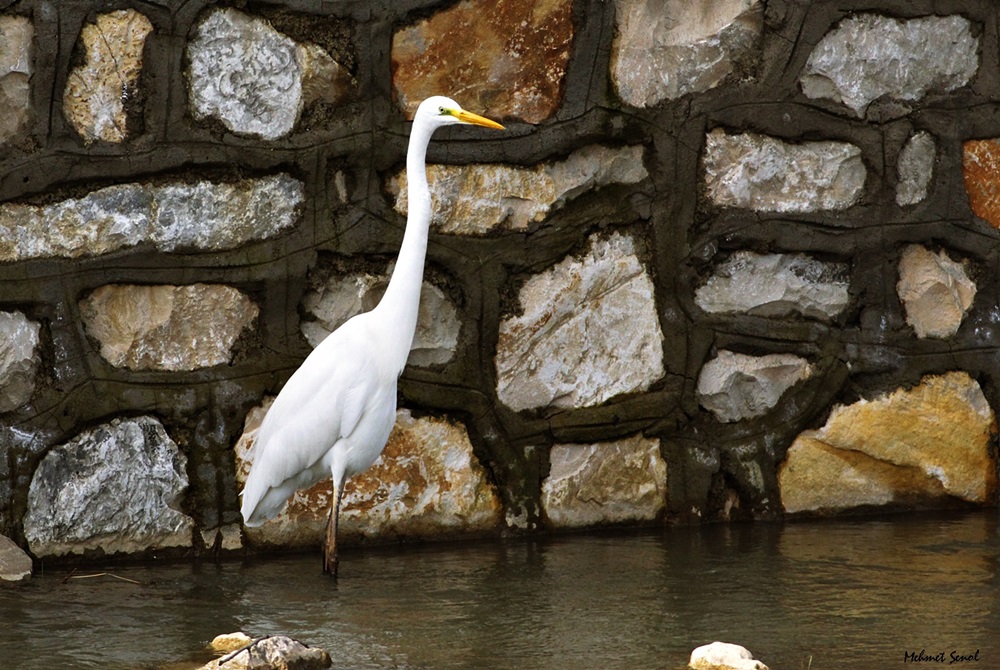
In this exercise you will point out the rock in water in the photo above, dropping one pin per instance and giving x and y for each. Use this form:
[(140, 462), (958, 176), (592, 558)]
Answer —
[(724, 656), (116, 488), (15, 565), (273, 653)]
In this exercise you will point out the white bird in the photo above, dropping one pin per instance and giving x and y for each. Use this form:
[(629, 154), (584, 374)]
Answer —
[(335, 413)]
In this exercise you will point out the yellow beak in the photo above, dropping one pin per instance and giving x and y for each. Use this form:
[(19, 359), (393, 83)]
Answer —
[(469, 117)]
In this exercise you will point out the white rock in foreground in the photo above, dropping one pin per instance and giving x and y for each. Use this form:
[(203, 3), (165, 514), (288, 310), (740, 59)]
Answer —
[(342, 297), (868, 56), (16, 34), (589, 331), (427, 483), (935, 290), (766, 174), (18, 359), (476, 199), (203, 216), (735, 386), (607, 482), (117, 487), (167, 327), (723, 656), (775, 285), (664, 49)]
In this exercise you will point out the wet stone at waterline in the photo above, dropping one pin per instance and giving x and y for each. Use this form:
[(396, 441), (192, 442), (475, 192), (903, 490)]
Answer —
[(587, 331), (427, 483), (97, 91), (921, 446), (117, 488), (512, 65), (478, 199), (665, 49)]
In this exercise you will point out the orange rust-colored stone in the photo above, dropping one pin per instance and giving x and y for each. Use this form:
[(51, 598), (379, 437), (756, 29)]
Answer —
[(981, 170), (503, 58)]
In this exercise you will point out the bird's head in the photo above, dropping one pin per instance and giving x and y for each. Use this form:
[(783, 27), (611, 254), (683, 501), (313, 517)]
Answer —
[(440, 111)]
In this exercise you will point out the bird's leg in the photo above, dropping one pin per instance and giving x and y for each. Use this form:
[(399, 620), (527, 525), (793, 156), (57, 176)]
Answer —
[(330, 558)]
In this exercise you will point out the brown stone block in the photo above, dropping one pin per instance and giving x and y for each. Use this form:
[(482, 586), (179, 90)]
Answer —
[(981, 170)]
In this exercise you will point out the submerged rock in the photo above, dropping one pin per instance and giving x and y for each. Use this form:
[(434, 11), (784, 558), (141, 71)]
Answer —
[(766, 174), (18, 359), (921, 446), (427, 483), (15, 565), (735, 386), (478, 199), (116, 488), (588, 332), (664, 49), (776, 285), (723, 656), (868, 56), (170, 328), (278, 652), (935, 290), (607, 482), (97, 91)]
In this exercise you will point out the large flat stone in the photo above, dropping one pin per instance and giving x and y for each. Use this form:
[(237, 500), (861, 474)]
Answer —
[(588, 331), (478, 199), (925, 445), (935, 290), (167, 327), (512, 65), (343, 296), (775, 285), (16, 34), (18, 359), (426, 484), (664, 49), (97, 90), (116, 488), (766, 174), (736, 386), (868, 56), (605, 483), (181, 216)]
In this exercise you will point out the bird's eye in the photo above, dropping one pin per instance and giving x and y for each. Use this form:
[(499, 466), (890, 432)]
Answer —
[(441, 110)]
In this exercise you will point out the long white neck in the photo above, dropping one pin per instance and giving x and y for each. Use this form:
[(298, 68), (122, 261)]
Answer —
[(402, 298)]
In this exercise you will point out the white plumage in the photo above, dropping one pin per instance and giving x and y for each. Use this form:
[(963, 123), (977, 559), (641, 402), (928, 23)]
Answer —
[(334, 415)]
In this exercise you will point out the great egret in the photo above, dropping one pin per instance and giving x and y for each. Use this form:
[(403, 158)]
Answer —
[(334, 415)]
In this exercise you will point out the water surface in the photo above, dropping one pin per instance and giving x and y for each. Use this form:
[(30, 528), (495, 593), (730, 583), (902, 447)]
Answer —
[(844, 594)]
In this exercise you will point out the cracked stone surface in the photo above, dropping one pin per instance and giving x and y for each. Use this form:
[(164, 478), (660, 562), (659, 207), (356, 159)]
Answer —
[(915, 168), (427, 483), (97, 91), (480, 198), (935, 290), (588, 331), (512, 65), (171, 328), (606, 482), (341, 297), (254, 79), (16, 34), (117, 488), (736, 386), (776, 285), (923, 445), (201, 215), (868, 56), (766, 174), (664, 49), (18, 359)]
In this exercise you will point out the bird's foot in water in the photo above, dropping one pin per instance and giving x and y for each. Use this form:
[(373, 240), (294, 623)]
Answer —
[(330, 564)]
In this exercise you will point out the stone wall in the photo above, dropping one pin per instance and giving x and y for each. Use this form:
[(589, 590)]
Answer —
[(730, 260)]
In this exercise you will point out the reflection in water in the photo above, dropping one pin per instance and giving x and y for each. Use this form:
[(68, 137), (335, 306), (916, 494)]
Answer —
[(848, 594)]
